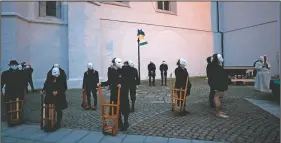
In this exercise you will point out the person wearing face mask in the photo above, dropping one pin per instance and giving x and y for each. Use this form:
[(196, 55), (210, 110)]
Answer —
[(263, 75), (11, 85), (90, 80), (208, 71), (163, 70), (29, 70), (219, 83), (62, 75), (116, 78), (54, 89), (151, 72), (134, 82), (182, 75)]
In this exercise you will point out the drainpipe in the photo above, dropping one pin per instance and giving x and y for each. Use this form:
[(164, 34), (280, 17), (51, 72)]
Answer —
[(221, 33)]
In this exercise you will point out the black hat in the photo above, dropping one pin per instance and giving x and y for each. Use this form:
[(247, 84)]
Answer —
[(13, 62)]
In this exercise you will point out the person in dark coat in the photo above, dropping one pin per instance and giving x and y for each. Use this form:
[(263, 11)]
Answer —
[(181, 76), (23, 80), (218, 82), (90, 81), (208, 71), (55, 89), (163, 69), (29, 70), (11, 85), (151, 73), (108, 72), (134, 82), (118, 77), (62, 75)]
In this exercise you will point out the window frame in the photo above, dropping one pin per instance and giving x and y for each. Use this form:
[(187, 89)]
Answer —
[(42, 11), (163, 5)]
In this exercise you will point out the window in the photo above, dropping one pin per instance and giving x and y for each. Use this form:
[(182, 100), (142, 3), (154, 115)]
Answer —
[(50, 8), (164, 5)]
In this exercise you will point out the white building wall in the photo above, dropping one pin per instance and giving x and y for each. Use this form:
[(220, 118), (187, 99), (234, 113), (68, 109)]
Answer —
[(26, 37), (186, 34), (250, 30)]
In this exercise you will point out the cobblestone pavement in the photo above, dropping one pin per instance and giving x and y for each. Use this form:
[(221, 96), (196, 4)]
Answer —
[(153, 116)]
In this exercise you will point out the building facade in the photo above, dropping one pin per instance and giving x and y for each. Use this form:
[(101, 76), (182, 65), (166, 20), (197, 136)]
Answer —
[(75, 33)]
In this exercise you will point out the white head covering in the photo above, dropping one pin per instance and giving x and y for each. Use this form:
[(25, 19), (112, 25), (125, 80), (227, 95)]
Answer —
[(182, 62), (55, 72), (130, 63), (19, 67), (118, 63), (151, 61), (220, 58), (56, 66), (90, 66)]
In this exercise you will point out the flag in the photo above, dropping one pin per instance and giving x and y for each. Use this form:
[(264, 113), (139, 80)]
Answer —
[(143, 42)]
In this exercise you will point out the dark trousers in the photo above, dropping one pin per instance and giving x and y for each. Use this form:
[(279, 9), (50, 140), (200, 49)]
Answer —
[(30, 82), (132, 90), (163, 77), (153, 80), (94, 93), (211, 97)]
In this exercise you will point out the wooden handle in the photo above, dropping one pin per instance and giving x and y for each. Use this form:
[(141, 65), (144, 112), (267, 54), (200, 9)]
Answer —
[(17, 108)]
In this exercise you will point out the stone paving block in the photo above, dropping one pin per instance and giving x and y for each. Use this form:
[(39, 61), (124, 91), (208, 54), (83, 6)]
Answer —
[(113, 139), (175, 140), (134, 139), (26, 132), (38, 136), (57, 135), (74, 136), (13, 130), (268, 106), (152, 139), (9, 140), (92, 137)]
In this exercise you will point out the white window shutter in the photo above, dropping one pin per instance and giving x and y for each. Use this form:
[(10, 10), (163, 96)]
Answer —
[(42, 8)]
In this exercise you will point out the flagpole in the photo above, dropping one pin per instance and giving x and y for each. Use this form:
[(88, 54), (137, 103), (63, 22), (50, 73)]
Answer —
[(139, 58)]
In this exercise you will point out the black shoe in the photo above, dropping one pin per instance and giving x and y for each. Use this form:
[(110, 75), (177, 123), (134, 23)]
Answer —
[(125, 127), (153, 84)]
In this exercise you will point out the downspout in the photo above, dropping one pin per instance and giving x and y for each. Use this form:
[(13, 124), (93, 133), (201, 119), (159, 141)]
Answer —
[(221, 33)]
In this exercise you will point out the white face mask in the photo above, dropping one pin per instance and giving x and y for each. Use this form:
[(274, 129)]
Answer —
[(55, 72), (19, 67), (163, 63), (118, 63), (131, 64), (14, 67), (56, 66), (90, 66), (220, 58), (182, 63)]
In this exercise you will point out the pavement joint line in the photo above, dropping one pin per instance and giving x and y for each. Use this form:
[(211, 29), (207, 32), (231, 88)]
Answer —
[(84, 136)]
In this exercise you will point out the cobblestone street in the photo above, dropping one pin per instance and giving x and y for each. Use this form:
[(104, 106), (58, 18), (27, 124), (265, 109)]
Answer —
[(153, 116)]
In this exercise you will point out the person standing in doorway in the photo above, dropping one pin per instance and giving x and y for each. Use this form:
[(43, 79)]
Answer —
[(151, 72), (163, 70)]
